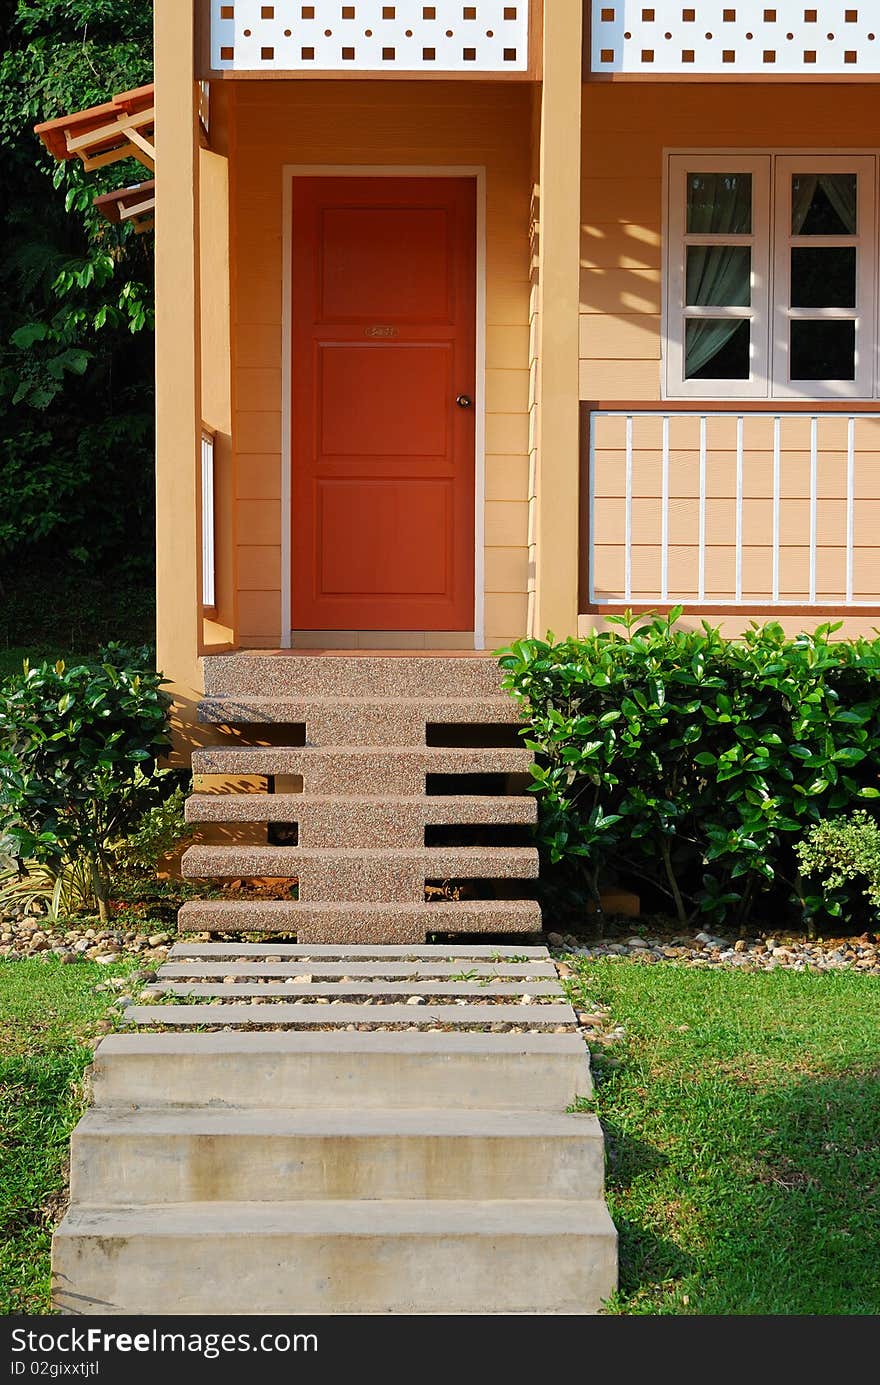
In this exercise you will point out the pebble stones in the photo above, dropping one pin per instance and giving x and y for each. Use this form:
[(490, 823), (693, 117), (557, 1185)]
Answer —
[(706, 950), (23, 937)]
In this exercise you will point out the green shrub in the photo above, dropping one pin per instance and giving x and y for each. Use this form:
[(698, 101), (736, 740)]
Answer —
[(690, 765), (159, 831), (844, 852), (78, 764)]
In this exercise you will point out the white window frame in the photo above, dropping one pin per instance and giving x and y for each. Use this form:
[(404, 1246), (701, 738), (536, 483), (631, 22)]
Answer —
[(678, 240), (771, 274), (865, 241)]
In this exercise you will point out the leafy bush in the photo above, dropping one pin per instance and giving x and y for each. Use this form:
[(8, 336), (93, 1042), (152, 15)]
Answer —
[(159, 831), (690, 765), (78, 760), (843, 852)]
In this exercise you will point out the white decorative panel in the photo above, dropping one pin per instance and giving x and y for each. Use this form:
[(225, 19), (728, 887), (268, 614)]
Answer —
[(790, 37), (368, 36)]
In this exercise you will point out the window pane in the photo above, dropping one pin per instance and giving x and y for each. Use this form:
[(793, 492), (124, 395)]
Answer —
[(823, 351), (719, 204), (719, 276), (718, 349), (824, 204), (823, 278)]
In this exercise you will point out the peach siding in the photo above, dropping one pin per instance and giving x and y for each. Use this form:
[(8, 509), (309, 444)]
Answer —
[(620, 350), (379, 123)]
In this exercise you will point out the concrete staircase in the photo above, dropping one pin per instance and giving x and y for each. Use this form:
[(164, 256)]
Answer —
[(352, 1154), (412, 816)]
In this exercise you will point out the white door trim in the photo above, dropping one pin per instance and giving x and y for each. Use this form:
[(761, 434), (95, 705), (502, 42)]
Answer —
[(289, 172)]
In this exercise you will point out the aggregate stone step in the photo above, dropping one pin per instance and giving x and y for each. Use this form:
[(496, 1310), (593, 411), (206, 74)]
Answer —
[(362, 822), (359, 770), (360, 720), (381, 920), (399, 1256), (329, 675), (343, 873), (199, 1155), (390, 1070), (349, 990), (339, 1015)]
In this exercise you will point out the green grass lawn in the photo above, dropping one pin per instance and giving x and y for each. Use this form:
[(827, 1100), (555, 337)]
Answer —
[(742, 1115), (743, 1122), (48, 1012)]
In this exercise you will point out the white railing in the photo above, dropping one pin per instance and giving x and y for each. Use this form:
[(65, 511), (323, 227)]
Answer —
[(728, 37), (209, 550), (723, 509), (369, 36)]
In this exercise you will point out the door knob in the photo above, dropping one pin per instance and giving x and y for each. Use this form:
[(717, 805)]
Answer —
[(464, 401)]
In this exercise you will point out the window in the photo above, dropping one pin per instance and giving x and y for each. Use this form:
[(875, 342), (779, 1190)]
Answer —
[(770, 283)]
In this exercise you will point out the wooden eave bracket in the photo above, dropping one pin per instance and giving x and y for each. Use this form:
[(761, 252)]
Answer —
[(136, 204), (122, 128)]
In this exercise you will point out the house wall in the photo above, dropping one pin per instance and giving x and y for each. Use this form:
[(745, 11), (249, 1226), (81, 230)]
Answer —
[(273, 124), (625, 131)]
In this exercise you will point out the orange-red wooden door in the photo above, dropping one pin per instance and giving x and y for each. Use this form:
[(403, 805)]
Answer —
[(384, 311)]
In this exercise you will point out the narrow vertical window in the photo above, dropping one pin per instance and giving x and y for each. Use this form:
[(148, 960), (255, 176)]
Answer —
[(824, 253), (717, 253)]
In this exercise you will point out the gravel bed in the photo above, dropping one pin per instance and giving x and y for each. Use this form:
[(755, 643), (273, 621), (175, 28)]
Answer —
[(748, 954)]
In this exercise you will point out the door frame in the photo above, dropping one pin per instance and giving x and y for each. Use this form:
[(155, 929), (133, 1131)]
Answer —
[(477, 172)]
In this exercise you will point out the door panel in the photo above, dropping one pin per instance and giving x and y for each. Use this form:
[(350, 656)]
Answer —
[(384, 283)]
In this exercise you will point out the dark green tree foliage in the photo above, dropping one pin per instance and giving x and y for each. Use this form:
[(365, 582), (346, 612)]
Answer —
[(76, 370), (690, 767)]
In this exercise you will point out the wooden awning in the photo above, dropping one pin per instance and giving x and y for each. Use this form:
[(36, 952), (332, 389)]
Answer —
[(123, 128), (136, 204)]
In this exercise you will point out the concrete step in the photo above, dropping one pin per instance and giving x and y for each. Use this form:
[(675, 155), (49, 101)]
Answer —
[(432, 1014), (292, 989), (360, 720), (359, 770), (290, 674), (199, 1155), (450, 952), (342, 1071), (343, 873), (407, 1256), (378, 920), (416, 972), (362, 822)]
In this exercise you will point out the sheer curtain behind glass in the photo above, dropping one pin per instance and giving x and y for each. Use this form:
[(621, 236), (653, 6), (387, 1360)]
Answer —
[(718, 276), (841, 189)]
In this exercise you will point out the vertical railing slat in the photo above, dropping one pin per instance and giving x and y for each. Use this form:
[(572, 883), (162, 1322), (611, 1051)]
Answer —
[(777, 503), (664, 516), (850, 509), (591, 514), (629, 506), (814, 504), (740, 447), (704, 452)]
